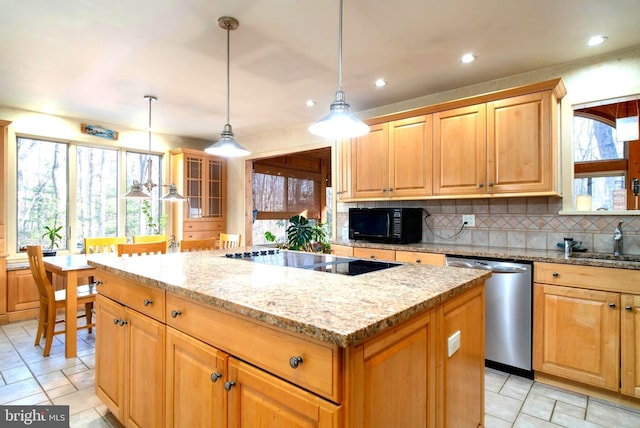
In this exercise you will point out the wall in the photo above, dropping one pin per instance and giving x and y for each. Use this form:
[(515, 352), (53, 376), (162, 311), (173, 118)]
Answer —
[(520, 223)]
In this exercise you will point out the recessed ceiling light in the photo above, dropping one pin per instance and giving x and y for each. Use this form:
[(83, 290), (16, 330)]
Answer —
[(467, 58), (310, 103), (380, 83), (597, 40)]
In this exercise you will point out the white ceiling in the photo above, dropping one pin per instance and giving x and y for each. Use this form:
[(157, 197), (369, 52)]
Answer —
[(94, 60)]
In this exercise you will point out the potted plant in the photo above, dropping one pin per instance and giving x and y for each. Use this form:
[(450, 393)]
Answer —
[(52, 233), (302, 235), (154, 228)]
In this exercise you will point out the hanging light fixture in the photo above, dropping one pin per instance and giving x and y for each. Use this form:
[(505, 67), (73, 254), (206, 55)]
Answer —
[(227, 145), (136, 191), (339, 123)]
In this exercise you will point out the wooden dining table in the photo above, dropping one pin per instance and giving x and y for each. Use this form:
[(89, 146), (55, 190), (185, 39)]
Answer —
[(70, 268)]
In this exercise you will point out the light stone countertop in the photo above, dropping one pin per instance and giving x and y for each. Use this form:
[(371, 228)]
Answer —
[(338, 309)]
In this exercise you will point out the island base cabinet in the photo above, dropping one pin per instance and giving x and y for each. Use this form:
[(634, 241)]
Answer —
[(130, 361), (576, 334), (259, 399), (630, 345), (196, 373)]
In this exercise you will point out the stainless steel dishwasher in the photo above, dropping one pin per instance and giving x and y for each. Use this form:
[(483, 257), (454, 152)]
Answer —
[(508, 312)]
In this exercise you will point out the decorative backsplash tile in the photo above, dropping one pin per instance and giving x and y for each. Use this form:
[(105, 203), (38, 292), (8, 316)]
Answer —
[(531, 223)]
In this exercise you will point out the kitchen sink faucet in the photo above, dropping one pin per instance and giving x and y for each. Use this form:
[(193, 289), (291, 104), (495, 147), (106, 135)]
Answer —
[(617, 240)]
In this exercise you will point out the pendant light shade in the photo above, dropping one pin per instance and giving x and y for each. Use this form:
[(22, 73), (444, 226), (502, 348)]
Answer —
[(339, 123), (136, 192), (173, 195), (227, 146)]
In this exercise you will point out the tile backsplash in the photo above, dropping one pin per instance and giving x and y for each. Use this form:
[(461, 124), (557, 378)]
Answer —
[(531, 223)]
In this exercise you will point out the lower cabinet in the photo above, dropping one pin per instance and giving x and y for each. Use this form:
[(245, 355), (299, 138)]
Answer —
[(130, 364), (630, 326), (421, 258)]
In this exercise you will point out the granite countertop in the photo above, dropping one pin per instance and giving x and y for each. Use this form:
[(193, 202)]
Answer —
[(625, 261), (338, 309)]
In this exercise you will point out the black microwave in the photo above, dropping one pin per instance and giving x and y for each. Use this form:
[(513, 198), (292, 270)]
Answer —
[(386, 225)]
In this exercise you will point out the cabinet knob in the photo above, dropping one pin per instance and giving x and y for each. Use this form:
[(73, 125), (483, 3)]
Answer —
[(228, 385), (116, 321), (418, 261), (372, 256), (391, 189), (123, 323), (555, 274), (383, 190), (490, 184), (629, 308), (174, 314), (97, 282), (147, 302), (612, 305), (215, 376), (294, 362), (480, 185)]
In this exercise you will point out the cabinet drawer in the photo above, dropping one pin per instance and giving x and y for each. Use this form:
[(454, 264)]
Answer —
[(146, 300), (201, 235), (342, 250), (593, 277), (372, 253), (266, 347), (203, 226), (422, 258)]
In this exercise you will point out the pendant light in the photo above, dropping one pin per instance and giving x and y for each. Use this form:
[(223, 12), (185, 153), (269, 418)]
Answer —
[(227, 145), (339, 123), (136, 191)]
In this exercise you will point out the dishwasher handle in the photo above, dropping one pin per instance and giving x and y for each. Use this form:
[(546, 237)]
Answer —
[(512, 269)]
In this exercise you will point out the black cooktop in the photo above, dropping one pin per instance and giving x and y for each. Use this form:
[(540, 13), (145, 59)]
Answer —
[(318, 262)]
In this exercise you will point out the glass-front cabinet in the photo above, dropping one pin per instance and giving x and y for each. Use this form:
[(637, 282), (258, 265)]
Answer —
[(201, 178)]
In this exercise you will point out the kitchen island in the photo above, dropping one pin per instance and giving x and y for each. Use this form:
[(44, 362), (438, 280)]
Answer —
[(199, 339)]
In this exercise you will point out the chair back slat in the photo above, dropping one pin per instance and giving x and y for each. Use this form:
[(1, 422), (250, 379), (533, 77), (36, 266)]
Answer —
[(159, 247), (229, 240), (103, 244), (36, 264), (187, 245)]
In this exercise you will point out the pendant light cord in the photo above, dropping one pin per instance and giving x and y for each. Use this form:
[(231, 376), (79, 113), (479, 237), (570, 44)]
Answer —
[(340, 49), (228, 72)]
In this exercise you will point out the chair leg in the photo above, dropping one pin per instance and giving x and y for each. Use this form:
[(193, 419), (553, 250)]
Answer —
[(41, 321), (88, 312), (51, 325)]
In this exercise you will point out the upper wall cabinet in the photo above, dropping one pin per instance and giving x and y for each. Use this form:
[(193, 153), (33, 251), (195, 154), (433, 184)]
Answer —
[(393, 160), (494, 145)]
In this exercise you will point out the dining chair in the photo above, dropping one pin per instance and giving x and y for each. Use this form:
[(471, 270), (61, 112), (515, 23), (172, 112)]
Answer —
[(51, 300), (187, 245), (159, 247), (140, 239), (103, 244), (229, 240)]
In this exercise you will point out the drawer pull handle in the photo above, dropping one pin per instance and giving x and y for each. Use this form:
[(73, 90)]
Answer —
[(629, 308), (174, 314), (294, 362), (123, 323), (228, 385), (147, 302), (372, 256), (97, 282), (555, 274), (215, 376), (418, 261), (612, 305)]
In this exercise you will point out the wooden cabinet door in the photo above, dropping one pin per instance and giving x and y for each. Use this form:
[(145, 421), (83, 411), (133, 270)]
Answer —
[(144, 370), (214, 188), (630, 333), (459, 151), (519, 141), (110, 349), (196, 373), (22, 292), (411, 157), (194, 171), (370, 163), (462, 376), (259, 399), (576, 334), (343, 191)]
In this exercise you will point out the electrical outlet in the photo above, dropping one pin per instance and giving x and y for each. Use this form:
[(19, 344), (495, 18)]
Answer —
[(453, 343), (469, 220)]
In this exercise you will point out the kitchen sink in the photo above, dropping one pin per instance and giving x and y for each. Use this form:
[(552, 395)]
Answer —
[(607, 256)]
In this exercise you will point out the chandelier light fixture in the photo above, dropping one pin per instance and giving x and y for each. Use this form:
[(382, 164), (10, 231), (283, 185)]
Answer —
[(137, 191), (227, 145), (339, 123)]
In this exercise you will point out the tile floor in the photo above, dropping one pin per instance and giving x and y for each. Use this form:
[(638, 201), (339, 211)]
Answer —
[(26, 377)]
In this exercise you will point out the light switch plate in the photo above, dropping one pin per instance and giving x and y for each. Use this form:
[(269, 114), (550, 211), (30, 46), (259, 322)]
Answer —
[(453, 343)]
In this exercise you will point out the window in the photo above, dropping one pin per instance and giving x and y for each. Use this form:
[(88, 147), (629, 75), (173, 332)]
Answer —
[(96, 192), (41, 191), (137, 222)]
